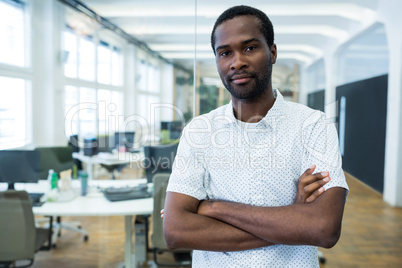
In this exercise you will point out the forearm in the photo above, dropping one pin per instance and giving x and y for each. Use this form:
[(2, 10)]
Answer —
[(277, 224), (297, 224), (187, 229)]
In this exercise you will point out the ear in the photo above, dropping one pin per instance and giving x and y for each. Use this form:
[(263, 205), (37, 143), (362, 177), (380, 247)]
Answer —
[(273, 53)]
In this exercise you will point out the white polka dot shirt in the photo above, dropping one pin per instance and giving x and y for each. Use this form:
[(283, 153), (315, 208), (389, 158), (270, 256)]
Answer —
[(257, 164)]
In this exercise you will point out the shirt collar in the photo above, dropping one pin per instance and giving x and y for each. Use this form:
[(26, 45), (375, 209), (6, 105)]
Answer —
[(276, 110)]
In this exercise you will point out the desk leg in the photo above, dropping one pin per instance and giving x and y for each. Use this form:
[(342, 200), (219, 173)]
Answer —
[(90, 170), (128, 247)]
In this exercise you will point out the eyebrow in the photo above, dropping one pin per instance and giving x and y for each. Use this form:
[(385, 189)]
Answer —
[(243, 43)]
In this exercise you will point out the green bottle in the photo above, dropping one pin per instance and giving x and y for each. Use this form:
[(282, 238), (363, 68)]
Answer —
[(54, 181), (75, 172)]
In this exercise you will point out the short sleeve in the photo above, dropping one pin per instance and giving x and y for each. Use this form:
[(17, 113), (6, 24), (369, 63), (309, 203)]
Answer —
[(321, 148), (188, 173)]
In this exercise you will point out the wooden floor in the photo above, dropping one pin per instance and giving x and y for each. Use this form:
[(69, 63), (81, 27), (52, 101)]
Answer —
[(371, 237), (371, 231)]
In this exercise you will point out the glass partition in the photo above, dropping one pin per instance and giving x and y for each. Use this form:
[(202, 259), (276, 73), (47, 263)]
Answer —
[(365, 56)]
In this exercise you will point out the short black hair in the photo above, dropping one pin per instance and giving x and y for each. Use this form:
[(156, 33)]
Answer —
[(266, 27)]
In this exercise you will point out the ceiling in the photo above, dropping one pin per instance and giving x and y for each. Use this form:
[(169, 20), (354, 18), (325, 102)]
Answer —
[(304, 30)]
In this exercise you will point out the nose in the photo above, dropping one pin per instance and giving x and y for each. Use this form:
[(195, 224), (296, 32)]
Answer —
[(239, 62)]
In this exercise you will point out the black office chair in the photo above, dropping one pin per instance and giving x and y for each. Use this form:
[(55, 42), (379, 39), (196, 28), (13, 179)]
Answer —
[(182, 257), (59, 159), (159, 159), (19, 238)]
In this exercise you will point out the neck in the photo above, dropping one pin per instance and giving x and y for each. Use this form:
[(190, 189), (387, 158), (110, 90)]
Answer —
[(252, 111)]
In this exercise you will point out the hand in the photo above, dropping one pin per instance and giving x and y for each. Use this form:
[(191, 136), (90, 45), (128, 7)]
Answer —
[(309, 186), (162, 212)]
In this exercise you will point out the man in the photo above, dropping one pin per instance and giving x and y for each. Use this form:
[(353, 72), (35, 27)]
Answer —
[(239, 193)]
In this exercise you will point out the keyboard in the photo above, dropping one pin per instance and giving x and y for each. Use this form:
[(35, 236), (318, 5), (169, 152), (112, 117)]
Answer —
[(126, 193), (36, 199)]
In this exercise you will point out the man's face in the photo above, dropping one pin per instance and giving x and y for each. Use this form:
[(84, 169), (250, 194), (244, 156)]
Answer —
[(243, 57)]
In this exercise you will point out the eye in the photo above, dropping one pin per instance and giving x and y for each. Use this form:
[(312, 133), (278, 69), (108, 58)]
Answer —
[(224, 53), (249, 48)]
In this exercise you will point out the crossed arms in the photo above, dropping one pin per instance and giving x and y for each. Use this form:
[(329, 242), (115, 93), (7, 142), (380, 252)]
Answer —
[(216, 225)]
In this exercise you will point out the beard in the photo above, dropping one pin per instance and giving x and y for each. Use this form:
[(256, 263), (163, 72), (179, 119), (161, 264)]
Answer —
[(251, 90)]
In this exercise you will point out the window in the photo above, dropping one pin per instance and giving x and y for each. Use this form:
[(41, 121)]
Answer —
[(148, 91), (89, 113), (14, 110), (145, 104), (12, 49), (86, 58), (104, 63), (153, 78), (70, 54), (80, 108), (79, 56), (110, 64), (15, 89), (117, 67), (71, 100), (89, 110), (110, 109), (142, 75)]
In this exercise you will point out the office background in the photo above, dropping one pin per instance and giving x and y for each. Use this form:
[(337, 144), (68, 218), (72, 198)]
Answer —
[(95, 67)]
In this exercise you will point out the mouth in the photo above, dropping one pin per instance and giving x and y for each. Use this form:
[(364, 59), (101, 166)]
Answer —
[(241, 78)]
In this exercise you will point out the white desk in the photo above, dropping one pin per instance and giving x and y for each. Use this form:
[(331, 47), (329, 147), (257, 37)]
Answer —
[(95, 204), (118, 158)]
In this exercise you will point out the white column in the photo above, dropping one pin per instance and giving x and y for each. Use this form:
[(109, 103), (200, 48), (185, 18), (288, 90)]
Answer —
[(390, 15), (330, 84), (42, 71), (166, 93), (47, 82), (303, 91), (58, 74)]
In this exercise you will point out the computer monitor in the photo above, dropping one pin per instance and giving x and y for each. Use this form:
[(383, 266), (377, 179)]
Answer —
[(124, 141), (173, 127), (106, 143), (19, 166)]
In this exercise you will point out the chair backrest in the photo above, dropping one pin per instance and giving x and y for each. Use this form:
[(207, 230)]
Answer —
[(159, 159), (160, 185), (17, 226)]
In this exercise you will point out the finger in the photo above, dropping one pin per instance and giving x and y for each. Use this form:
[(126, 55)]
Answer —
[(304, 181), (315, 195), (308, 171), (312, 187), (307, 191), (162, 213)]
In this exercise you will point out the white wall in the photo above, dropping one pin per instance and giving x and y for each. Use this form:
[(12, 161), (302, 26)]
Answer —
[(389, 12)]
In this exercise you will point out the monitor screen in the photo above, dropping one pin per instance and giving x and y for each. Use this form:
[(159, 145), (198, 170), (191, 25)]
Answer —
[(106, 143), (174, 128), (19, 166), (124, 141)]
